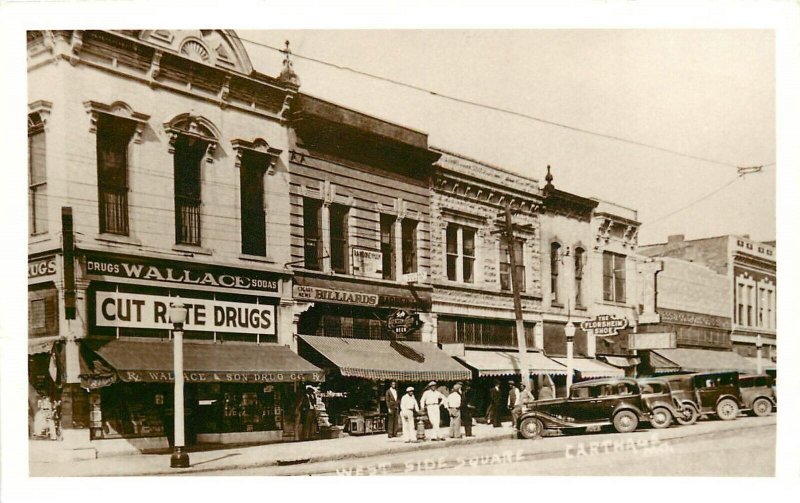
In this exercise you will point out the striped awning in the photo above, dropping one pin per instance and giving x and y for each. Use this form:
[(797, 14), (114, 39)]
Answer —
[(589, 367), (706, 360), (381, 360), (505, 363)]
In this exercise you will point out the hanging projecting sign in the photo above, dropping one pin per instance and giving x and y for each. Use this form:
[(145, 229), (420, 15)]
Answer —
[(129, 310), (402, 322), (604, 325)]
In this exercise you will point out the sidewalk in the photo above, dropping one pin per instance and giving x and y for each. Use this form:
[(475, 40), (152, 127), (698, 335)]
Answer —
[(246, 457)]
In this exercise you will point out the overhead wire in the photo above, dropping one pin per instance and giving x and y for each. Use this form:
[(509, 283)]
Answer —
[(490, 107)]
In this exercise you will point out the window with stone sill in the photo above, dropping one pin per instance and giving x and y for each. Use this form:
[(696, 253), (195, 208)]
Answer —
[(188, 158), (254, 231), (465, 253), (37, 176), (114, 136), (614, 277), (312, 233)]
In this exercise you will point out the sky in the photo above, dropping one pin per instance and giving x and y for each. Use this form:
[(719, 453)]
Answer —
[(705, 93)]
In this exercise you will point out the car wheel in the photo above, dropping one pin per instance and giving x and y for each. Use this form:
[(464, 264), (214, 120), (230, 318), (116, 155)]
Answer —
[(688, 416), (625, 421), (762, 407), (727, 409), (531, 428), (661, 418)]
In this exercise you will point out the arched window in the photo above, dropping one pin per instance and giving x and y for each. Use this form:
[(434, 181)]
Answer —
[(555, 262)]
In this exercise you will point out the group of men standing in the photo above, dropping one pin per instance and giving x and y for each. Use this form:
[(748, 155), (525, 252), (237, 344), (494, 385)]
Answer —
[(457, 403), (517, 398)]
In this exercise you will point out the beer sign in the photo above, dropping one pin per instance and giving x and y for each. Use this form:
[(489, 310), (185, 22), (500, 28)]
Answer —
[(604, 325), (402, 322)]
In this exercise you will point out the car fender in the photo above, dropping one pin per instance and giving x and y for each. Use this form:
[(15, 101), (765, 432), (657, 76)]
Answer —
[(667, 405), (691, 404), (731, 397), (553, 422), (632, 408)]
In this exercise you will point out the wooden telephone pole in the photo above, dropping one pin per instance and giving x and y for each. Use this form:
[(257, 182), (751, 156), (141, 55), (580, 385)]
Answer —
[(507, 230)]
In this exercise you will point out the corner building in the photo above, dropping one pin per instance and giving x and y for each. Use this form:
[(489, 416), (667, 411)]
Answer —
[(159, 168)]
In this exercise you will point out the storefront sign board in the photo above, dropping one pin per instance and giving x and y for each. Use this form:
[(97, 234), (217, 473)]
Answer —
[(218, 376), (367, 263), (660, 340), (129, 310), (316, 294), (45, 266), (102, 267)]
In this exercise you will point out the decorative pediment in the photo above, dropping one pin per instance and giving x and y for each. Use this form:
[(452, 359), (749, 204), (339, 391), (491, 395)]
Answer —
[(38, 113), (260, 146), (117, 109), (219, 48), (195, 127)]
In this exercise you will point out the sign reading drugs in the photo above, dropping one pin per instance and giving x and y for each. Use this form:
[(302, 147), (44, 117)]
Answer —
[(129, 310), (604, 325)]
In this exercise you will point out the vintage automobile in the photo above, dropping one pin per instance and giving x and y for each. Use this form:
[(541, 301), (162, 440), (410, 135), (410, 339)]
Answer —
[(662, 405), (710, 393), (596, 403), (757, 393)]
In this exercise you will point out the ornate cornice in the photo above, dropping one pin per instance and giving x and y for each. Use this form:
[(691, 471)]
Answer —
[(118, 109), (193, 126), (260, 146)]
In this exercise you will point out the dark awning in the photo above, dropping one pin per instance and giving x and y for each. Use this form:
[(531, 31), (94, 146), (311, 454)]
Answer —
[(358, 292), (661, 364), (591, 368), (699, 360), (151, 361), (372, 359), (620, 361), (505, 363)]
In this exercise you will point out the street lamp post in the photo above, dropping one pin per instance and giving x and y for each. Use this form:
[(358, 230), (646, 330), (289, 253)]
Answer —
[(569, 331), (759, 345), (177, 316)]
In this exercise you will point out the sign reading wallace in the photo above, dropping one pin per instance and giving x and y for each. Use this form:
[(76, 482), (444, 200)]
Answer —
[(182, 273), (604, 325)]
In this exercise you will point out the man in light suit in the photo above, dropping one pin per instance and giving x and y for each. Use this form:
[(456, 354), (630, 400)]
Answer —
[(392, 409)]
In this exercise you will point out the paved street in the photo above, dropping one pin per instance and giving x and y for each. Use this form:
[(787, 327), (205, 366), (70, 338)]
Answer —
[(745, 447)]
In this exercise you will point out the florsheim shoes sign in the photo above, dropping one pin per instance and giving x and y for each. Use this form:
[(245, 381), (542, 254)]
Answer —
[(129, 310), (604, 325)]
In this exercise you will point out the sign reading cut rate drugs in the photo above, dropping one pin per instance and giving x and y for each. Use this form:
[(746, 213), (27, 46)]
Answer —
[(129, 310)]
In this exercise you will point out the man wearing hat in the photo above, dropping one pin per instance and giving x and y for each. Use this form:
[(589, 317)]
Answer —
[(454, 409), (430, 401), (408, 405)]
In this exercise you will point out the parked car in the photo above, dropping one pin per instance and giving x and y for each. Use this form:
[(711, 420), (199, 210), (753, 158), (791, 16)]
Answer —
[(596, 403), (710, 393), (758, 394), (662, 405)]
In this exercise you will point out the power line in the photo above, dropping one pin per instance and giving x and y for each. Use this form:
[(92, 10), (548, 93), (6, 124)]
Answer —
[(492, 107), (718, 189)]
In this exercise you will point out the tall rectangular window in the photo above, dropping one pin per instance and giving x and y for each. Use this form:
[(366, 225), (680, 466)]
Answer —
[(555, 265), (762, 301), (189, 153), (740, 303), (251, 188), (387, 246), (468, 254), (339, 235), (750, 306), (37, 176), (312, 233), (452, 252), (580, 256), (505, 266), (613, 277), (113, 138), (409, 241)]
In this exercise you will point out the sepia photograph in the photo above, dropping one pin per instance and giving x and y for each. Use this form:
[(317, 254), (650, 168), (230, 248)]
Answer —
[(548, 251)]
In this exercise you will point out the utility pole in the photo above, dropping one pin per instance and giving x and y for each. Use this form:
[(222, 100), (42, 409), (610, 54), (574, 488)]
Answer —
[(508, 233)]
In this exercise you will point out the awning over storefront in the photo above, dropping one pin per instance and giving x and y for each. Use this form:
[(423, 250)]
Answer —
[(661, 364), (361, 293), (503, 363), (589, 367), (621, 362), (379, 360), (700, 360), (151, 361), (766, 364)]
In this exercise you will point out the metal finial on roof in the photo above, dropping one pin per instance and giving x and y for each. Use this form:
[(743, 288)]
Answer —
[(549, 177), (287, 72)]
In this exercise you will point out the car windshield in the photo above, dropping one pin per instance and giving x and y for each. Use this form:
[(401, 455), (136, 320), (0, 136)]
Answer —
[(651, 388), (681, 383)]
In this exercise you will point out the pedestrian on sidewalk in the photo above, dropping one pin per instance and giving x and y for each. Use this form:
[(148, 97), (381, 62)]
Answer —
[(523, 397), (408, 406), (466, 409), (431, 401), (495, 399), (513, 394), (392, 409), (454, 409)]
